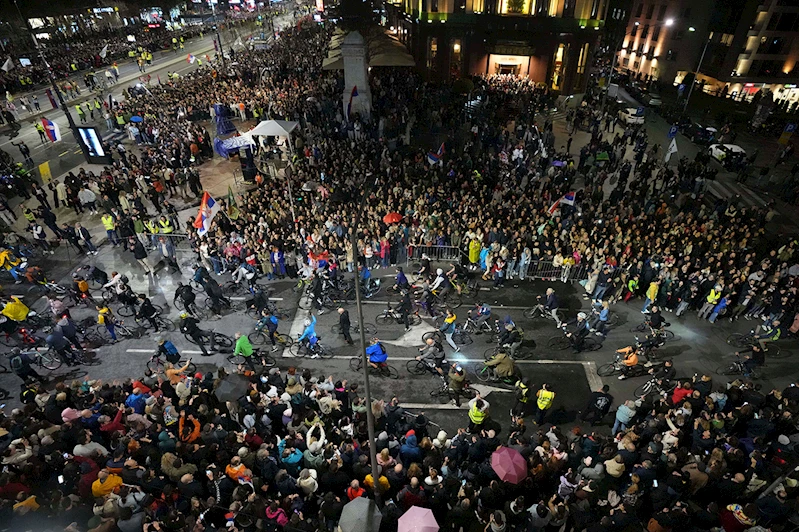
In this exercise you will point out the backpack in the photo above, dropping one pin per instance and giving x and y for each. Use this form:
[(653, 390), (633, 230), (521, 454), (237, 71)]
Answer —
[(124, 279), (170, 348)]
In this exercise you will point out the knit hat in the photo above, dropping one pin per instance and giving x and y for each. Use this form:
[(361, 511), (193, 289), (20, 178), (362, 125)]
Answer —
[(783, 440)]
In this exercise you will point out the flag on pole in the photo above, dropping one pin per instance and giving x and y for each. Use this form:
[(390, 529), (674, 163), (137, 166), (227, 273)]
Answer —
[(232, 208), (190, 58), (568, 198), (52, 130), (672, 149), (207, 58), (353, 94), (554, 206), (434, 158), (104, 51), (208, 209), (8, 65)]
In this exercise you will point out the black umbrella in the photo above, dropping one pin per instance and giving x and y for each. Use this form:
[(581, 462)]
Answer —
[(232, 387), (360, 515)]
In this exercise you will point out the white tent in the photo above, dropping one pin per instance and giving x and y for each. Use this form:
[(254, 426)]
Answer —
[(274, 128)]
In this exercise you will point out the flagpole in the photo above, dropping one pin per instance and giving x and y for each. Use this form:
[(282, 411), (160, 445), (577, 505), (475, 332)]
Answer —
[(64, 107), (216, 29)]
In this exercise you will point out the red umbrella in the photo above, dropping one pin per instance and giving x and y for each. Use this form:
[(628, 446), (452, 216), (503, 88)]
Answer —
[(509, 465), (392, 218)]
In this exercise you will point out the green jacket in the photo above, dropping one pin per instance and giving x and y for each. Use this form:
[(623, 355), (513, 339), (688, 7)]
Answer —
[(243, 346)]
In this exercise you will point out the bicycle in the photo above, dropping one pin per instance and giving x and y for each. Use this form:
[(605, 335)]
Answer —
[(383, 368), (459, 336), (616, 368), (303, 349), (44, 357), (653, 386), (368, 329), (372, 289), (225, 303), (613, 318), (452, 299), (538, 312), (279, 313), (129, 310), (445, 392), (157, 365), (240, 360), (737, 367), (562, 342), (465, 288), (26, 337), (220, 340), (259, 337), (471, 327), (420, 367), (198, 312), (163, 324), (120, 329), (746, 340), (390, 315), (664, 333), (522, 353), (489, 374)]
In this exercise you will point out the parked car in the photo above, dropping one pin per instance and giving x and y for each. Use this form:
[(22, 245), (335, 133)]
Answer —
[(629, 115), (726, 154), (652, 100), (699, 134)]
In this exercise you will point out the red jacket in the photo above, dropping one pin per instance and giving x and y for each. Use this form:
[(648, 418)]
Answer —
[(115, 425), (678, 396)]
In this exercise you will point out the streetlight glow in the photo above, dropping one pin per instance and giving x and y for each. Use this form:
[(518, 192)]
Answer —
[(670, 22), (691, 28)]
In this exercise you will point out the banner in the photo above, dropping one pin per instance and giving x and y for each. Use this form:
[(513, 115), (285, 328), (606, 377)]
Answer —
[(44, 172)]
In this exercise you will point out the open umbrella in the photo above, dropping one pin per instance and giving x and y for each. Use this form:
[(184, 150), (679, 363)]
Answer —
[(509, 465), (232, 387), (136, 118), (360, 515), (392, 218), (602, 156), (417, 519)]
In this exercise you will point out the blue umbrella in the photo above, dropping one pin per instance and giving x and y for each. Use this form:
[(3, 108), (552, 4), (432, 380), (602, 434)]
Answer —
[(136, 118)]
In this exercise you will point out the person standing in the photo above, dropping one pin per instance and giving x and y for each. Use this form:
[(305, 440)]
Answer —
[(84, 235), (110, 228), (69, 233), (167, 250), (545, 397), (25, 151), (478, 412), (88, 199), (81, 114), (140, 254), (344, 324), (457, 379), (40, 130), (40, 237)]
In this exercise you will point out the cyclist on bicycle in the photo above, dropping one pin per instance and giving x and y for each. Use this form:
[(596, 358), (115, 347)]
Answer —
[(147, 311), (15, 310), (768, 334), (189, 325), (630, 358), (201, 274), (504, 366), (456, 276), (664, 374), (366, 278), (245, 349), (401, 281), (511, 338), (579, 331), (550, 305), (316, 292), (754, 357), (244, 271), (56, 341), (269, 322), (117, 282), (167, 350), (656, 321), (93, 273), (432, 354), (377, 353), (22, 366), (185, 293), (482, 314), (308, 335), (128, 298), (426, 299), (441, 284)]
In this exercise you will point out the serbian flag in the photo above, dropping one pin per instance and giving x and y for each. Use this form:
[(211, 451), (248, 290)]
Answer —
[(190, 58), (434, 158), (568, 198), (353, 94), (52, 130), (208, 209), (554, 207)]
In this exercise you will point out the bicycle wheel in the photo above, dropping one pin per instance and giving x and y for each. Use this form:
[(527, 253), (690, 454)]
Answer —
[(222, 340), (461, 338), (667, 335), (613, 320), (558, 343), (268, 361), (644, 389), (126, 311), (283, 339), (727, 370), (257, 338), (738, 340), (4, 369), (355, 363), (8, 340), (414, 319), (236, 360), (607, 370), (335, 329), (178, 304), (490, 352), (482, 372), (305, 302), (435, 335), (390, 372), (416, 367), (109, 295), (299, 350), (324, 351), (453, 300), (385, 319), (369, 329), (165, 324), (529, 313), (523, 354), (49, 360), (641, 327), (591, 344), (126, 332), (774, 351), (156, 366)]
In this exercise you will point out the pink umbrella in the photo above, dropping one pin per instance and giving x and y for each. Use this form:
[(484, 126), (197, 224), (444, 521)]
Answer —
[(417, 519), (509, 465)]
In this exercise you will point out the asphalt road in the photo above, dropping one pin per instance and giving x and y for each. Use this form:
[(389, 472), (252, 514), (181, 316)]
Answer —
[(699, 347)]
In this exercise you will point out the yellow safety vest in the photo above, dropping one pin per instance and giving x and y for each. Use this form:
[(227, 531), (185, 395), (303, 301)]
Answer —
[(524, 398), (96, 104), (476, 415), (714, 296), (108, 222), (545, 399), (166, 227), (79, 109), (151, 227)]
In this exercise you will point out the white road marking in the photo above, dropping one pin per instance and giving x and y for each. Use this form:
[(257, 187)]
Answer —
[(186, 352), (590, 373), (412, 338), (434, 406), (484, 389)]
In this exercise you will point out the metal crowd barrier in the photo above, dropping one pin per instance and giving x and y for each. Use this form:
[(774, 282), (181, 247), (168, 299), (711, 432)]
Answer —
[(434, 253)]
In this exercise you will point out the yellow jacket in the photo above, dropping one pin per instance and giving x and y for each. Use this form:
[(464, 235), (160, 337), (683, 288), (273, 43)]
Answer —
[(15, 310), (714, 296), (101, 489), (7, 259), (108, 222), (652, 291)]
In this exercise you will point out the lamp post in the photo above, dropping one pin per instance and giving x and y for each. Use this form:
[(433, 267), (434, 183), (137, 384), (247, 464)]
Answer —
[(698, 68), (216, 30), (72, 127)]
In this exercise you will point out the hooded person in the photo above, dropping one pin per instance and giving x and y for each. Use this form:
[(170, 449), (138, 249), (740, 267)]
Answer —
[(441, 440), (410, 451)]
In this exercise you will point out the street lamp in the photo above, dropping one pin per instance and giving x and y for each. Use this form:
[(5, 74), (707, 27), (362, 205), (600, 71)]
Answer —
[(72, 126), (670, 22), (613, 67), (216, 29), (698, 68)]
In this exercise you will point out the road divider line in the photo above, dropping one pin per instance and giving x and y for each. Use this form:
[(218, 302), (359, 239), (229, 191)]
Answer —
[(590, 373), (434, 406), (77, 151), (286, 354), (64, 153)]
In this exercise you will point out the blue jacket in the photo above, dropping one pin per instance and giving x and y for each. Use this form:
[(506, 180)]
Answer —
[(310, 331), (410, 452), (136, 402), (377, 354), (625, 414)]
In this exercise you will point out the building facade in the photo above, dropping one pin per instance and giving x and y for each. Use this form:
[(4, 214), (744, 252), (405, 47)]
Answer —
[(549, 41)]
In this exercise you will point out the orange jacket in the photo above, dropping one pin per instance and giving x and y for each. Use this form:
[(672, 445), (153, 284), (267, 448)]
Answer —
[(193, 435)]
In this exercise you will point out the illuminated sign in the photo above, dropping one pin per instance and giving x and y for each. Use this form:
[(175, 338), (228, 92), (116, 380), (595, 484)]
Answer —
[(98, 10)]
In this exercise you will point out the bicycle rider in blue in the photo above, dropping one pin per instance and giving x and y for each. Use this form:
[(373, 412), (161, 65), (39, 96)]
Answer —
[(483, 312), (309, 334), (269, 322), (366, 277), (377, 353)]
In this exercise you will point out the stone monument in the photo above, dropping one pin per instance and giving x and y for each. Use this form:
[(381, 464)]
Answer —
[(356, 76)]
